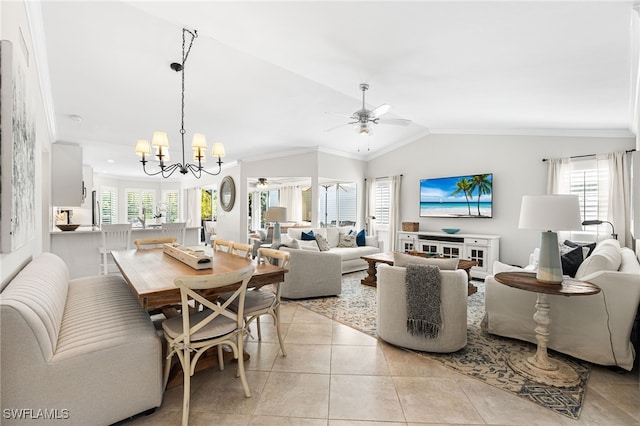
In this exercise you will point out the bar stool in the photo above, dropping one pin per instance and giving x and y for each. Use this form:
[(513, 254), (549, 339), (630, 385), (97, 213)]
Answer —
[(114, 237)]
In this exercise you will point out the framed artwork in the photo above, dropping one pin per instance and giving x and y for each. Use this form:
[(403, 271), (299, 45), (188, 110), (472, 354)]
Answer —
[(17, 150)]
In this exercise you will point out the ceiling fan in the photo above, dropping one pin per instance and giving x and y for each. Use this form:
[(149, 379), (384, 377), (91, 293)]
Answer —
[(363, 118)]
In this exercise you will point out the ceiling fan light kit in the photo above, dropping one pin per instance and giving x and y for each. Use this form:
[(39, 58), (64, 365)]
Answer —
[(160, 140)]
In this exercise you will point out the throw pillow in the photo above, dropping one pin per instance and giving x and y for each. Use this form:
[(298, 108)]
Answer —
[(571, 261), (263, 234), (590, 246), (347, 240), (323, 243), (401, 259), (307, 236), (360, 238)]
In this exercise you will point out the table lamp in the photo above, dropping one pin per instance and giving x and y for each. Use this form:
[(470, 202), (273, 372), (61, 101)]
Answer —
[(276, 215), (550, 213)]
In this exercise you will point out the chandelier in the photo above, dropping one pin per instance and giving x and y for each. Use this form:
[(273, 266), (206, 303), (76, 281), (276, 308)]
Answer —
[(160, 140)]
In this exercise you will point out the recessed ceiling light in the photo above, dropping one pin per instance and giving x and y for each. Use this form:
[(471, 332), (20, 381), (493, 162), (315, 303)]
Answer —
[(75, 117), (111, 161)]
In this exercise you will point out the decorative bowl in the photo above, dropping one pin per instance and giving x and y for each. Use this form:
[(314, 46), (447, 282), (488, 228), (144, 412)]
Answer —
[(68, 227), (450, 230)]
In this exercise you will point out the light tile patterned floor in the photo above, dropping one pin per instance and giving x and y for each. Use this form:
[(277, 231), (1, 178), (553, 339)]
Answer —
[(337, 376)]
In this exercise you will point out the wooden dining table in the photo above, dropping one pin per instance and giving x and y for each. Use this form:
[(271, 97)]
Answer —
[(150, 273)]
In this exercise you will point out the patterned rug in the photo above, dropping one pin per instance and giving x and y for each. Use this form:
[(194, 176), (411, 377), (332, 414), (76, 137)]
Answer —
[(484, 358)]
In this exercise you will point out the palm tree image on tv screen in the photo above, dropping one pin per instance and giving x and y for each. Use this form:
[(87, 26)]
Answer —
[(457, 196)]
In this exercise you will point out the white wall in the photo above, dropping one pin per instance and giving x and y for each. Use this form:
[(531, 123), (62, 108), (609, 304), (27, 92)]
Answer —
[(517, 167), (13, 23)]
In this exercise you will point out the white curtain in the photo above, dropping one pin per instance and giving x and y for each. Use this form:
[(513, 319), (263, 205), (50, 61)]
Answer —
[(619, 214), (369, 205), (255, 210), (558, 181), (394, 211), (193, 206), (613, 171), (291, 198)]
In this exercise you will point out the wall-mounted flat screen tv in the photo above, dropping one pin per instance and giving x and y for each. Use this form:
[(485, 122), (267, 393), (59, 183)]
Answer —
[(457, 196)]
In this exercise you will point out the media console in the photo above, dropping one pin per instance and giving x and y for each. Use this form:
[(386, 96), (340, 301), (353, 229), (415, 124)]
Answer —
[(484, 249)]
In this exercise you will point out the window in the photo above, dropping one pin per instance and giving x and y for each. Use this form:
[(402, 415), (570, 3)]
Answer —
[(170, 206), (589, 180), (140, 202), (338, 206), (383, 201), (108, 205)]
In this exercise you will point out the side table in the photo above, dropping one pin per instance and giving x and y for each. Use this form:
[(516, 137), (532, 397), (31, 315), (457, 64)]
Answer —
[(539, 367)]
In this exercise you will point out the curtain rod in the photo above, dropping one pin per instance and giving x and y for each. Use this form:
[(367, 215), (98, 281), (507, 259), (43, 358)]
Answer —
[(589, 155), (383, 177)]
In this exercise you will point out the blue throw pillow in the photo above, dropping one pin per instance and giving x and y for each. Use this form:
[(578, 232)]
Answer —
[(360, 238), (308, 236)]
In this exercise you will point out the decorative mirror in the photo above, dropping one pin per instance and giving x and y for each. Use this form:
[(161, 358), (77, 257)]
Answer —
[(227, 193)]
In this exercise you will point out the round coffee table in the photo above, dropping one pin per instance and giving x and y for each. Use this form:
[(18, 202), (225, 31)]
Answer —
[(539, 367)]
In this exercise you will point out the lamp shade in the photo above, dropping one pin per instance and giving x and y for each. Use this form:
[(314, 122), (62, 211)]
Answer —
[(218, 150), (143, 147), (276, 214), (550, 212), (160, 139), (199, 141)]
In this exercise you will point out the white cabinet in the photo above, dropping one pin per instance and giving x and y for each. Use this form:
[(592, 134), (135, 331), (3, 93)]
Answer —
[(483, 249), (67, 188)]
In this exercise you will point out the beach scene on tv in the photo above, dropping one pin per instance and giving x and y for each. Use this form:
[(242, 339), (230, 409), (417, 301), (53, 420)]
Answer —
[(457, 196)]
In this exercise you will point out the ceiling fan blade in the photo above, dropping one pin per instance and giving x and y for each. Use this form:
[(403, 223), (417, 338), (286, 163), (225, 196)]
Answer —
[(337, 127), (395, 121), (378, 111), (339, 115)]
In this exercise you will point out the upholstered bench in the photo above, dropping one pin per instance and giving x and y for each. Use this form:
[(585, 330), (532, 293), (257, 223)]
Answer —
[(82, 349)]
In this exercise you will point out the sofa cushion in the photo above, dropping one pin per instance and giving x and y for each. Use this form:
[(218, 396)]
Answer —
[(308, 245), (347, 240), (401, 259), (361, 238), (371, 240), (605, 257), (350, 253), (333, 234), (504, 267)]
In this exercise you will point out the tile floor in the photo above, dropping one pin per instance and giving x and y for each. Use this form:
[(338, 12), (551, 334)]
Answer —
[(334, 375)]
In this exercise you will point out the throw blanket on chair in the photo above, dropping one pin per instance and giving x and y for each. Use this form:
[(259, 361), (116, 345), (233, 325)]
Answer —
[(423, 300)]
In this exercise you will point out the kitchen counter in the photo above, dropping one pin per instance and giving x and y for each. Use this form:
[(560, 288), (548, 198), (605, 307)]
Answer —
[(79, 248)]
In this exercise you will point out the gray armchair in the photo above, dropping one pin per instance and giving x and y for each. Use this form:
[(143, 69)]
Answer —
[(210, 232), (259, 238)]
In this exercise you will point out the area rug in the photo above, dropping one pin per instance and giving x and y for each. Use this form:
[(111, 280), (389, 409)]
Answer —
[(484, 358)]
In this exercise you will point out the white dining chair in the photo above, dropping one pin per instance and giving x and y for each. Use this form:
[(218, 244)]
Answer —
[(114, 237), (191, 334), (177, 230)]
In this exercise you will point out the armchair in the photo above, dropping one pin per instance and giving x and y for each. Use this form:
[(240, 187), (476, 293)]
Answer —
[(392, 311)]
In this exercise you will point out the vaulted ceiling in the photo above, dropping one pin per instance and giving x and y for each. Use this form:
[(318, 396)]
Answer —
[(266, 77)]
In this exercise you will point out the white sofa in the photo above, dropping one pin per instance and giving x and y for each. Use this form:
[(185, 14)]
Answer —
[(83, 349), (350, 256), (594, 328)]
